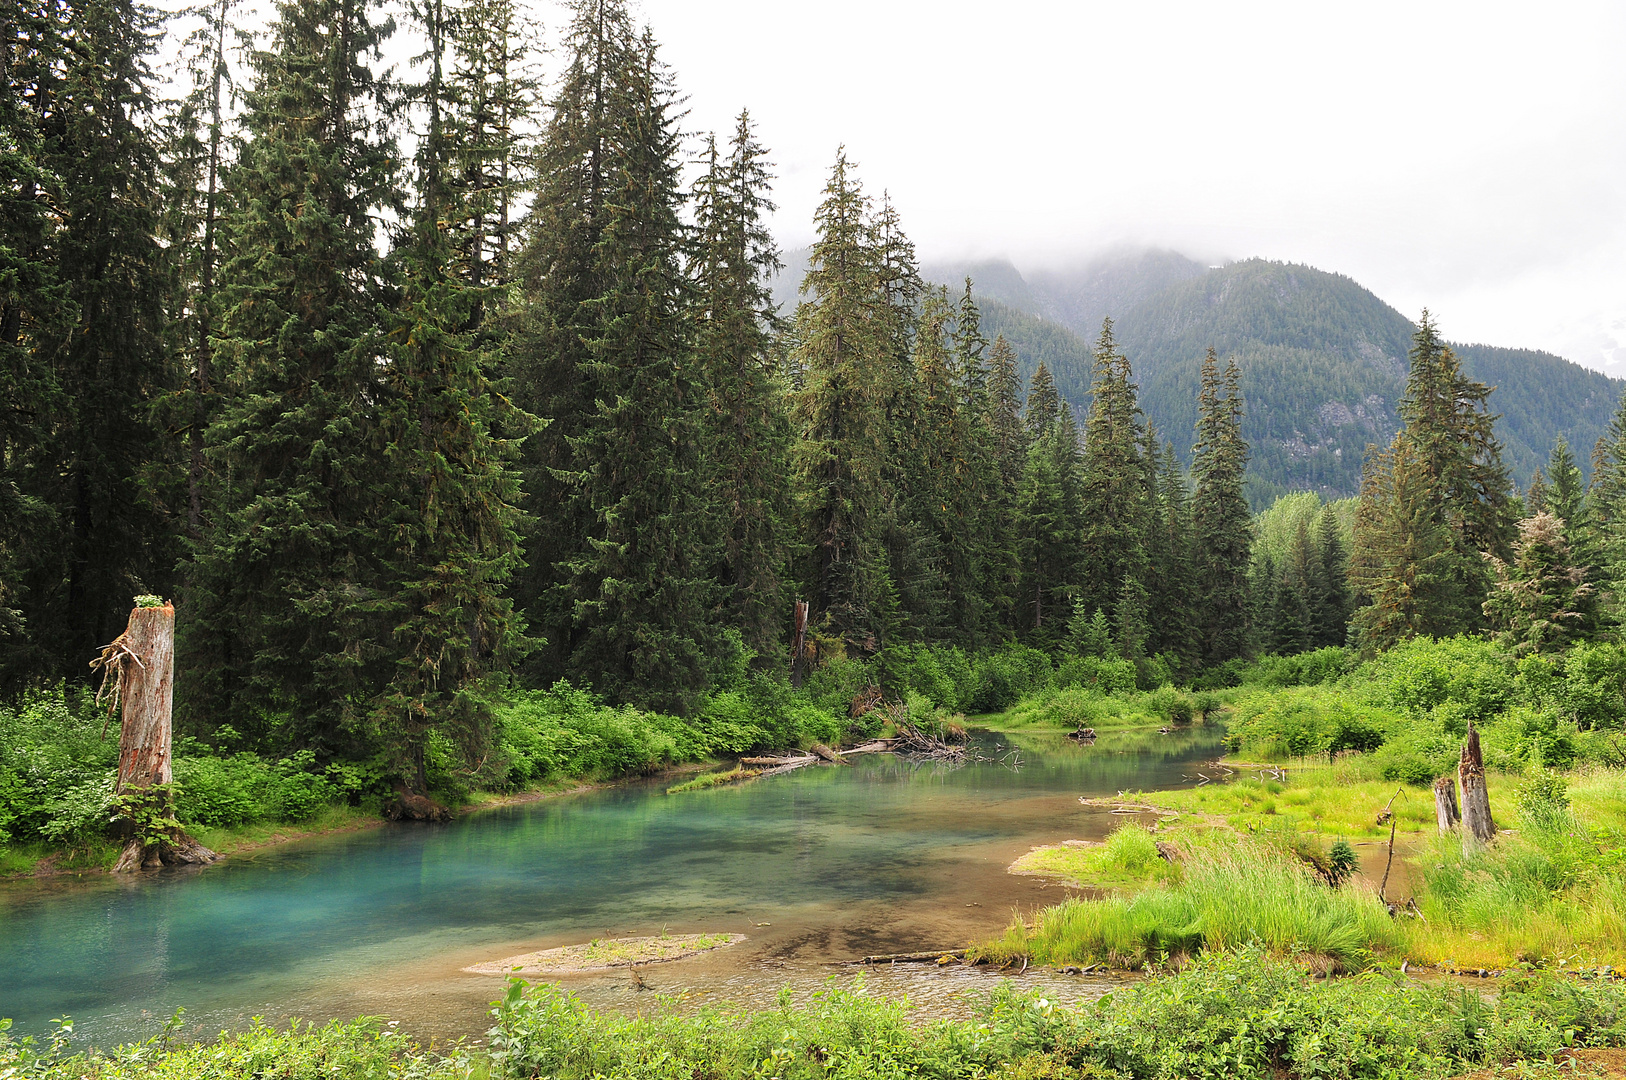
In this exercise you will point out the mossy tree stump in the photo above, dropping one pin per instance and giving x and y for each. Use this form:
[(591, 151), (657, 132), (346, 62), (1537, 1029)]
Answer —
[(140, 669)]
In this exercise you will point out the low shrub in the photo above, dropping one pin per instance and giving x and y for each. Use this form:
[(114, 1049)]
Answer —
[(1301, 722)]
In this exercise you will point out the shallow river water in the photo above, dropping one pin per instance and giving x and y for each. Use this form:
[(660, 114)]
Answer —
[(817, 867)]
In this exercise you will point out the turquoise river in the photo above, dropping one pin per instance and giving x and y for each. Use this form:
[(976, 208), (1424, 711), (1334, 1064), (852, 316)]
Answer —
[(817, 867)]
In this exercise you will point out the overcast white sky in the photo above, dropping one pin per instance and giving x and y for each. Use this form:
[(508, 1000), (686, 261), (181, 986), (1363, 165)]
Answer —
[(1470, 157)]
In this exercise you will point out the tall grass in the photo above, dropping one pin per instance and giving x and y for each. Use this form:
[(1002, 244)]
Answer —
[(1553, 890), (1247, 895)]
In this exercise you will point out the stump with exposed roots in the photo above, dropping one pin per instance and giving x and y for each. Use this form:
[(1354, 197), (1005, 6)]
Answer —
[(139, 671)]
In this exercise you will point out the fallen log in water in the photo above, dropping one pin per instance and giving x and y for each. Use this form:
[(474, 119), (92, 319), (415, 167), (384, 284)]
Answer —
[(792, 763), (939, 957), (874, 746), (832, 756)]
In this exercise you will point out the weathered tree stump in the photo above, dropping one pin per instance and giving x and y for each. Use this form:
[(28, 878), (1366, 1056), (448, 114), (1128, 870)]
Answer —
[(140, 669), (1477, 826), (1445, 804)]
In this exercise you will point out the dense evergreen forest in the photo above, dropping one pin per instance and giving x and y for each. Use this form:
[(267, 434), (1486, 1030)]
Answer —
[(412, 393)]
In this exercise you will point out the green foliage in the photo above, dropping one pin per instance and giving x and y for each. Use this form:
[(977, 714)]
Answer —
[(1245, 895), (1245, 1015), (1424, 672), (567, 733), (1305, 722), (1303, 669)]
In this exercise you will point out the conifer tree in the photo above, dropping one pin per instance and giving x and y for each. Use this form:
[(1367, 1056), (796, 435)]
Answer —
[(1131, 620), (1113, 479), (1047, 536), (1007, 439), (561, 279), (1172, 601), (1221, 529), (452, 517), (749, 441), (492, 97), (844, 340), (642, 590), (1446, 473), (1535, 496), (1568, 496), (1332, 605), (1044, 404), (1091, 635), (1407, 566), (1005, 412), (1606, 516), (34, 307), (1542, 601), (292, 564), (195, 160), (84, 468)]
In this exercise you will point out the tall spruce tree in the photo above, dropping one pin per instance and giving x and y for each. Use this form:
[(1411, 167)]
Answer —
[(1008, 438), (845, 337), (643, 593), (34, 307), (195, 161), (84, 467), (292, 642), (1221, 527), (1568, 496), (1172, 599), (1447, 456), (492, 97), (451, 540), (1331, 605), (561, 279), (1606, 517), (1406, 566), (749, 443), (1115, 510)]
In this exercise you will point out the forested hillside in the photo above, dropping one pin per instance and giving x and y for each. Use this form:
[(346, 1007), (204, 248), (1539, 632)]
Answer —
[(1323, 361)]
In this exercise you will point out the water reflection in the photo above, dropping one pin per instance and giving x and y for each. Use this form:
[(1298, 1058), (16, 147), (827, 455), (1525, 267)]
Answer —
[(816, 866)]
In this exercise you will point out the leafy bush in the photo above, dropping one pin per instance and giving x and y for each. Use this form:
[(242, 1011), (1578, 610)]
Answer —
[(1424, 672), (1593, 691), (1302, 669), (1304, 722), (1105, 675)]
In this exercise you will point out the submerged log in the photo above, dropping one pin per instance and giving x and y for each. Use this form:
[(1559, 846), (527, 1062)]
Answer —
[(1477, 825), (139, 670), (1445, 804), (915, 957)]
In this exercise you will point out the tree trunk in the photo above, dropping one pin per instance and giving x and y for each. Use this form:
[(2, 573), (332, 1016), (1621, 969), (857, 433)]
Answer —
[(798, 645), (1477, 826), (1445, 804), (142, 664)]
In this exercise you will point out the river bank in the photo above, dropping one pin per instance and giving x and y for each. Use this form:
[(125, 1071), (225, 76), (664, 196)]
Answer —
[(1243, 1015), (98, 859)]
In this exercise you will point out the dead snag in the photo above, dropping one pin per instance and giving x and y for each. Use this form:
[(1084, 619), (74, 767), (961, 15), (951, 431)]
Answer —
[(798, 644), (1445, 804), (139, 673), (1477, 826)]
